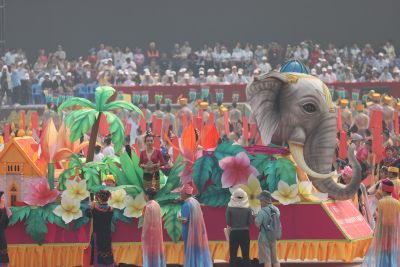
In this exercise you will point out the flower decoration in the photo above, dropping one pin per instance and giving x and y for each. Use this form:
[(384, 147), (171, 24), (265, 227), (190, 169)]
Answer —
[(69, 209), (237, 170), (286, 194), (40, 194), (307, 194), (134, 206), (117, 199), (252, 189), (76, 190)]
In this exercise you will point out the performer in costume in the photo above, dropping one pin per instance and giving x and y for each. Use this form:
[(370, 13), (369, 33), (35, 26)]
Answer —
[(168, 115), (384, 249), (388, 112), (235, 115), (152, 234), (361, 120), (360, 199), (151, 160), (184, 111), (194, 233), (347, 119), (393, 175), (158, 113), (101, 214), (206, 114), (147, 111), (376, 98)]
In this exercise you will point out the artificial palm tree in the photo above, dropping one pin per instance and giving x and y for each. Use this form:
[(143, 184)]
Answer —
[(88, 116)]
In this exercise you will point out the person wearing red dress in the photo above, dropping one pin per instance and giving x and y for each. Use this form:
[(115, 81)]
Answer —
[(151, 160)]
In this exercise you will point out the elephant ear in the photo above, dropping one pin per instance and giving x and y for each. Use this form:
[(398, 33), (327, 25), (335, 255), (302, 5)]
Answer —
[(263, 97)]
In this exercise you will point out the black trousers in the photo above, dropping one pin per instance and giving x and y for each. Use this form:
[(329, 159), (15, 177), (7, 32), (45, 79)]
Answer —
[(239, 238)]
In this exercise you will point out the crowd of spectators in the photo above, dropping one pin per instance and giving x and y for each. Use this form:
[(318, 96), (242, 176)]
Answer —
[(57, 74)]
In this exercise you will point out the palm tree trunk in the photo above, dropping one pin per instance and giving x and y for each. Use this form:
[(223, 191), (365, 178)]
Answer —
[(93, 138)]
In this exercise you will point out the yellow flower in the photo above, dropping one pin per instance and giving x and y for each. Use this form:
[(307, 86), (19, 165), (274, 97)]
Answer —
[(117, 199), (286, 194), (306, 192), (69, 209), (76, 190), (252, 189), (134, 207)]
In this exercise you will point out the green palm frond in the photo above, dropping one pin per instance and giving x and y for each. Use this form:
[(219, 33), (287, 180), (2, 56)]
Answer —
[(76, 101), (117, 129), (123, 105), (102, 94), (82, 121)]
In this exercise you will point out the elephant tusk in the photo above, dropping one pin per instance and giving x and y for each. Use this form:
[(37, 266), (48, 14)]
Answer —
[(298, 156)]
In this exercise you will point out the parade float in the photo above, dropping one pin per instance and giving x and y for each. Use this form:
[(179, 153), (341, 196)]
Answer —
[(48, 183)]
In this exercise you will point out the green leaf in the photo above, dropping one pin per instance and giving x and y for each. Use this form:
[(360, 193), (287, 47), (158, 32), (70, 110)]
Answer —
[(117, 215), (271, 183), (19, 214), (260, 162), (138, 170), (122, 105), (140, 222), (174, 178), (117, 130), (102, 94), (215, 196), (36, 226), (172, 224), (82, 122), (286, 171), (216, 173), (91, 176), (64, 176), (133, 190), (76, 101), (227, 149), (201, 171), (168, 198), (119, 176), (78, 223), (128, 167)]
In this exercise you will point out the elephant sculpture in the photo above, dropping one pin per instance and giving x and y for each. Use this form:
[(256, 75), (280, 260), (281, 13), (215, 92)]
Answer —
[(296, 109)]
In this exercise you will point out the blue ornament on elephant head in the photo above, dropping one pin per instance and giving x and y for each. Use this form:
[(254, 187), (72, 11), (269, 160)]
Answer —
[(295, 109), (295, 65)]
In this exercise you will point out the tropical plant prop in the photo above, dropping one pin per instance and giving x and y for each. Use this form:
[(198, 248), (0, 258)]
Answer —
[(87, 118)]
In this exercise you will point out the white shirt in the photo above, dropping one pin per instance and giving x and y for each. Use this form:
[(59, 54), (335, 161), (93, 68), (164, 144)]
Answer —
[(98, 157), (108, 151)]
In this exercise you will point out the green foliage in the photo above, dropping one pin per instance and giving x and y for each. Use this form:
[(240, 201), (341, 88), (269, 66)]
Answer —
[(116, 129), (286, 171), (80, 121), (271, 183), (91, 175), (171, 222), (216, 173), (167, 198), (174, 178), (132, 190), (215, 196), (131, 170), (260, 162), (36, 225), (76, 101), (102, 94), (118, 215), (201, 171), (227, 149), (19, 214), (122, 104)]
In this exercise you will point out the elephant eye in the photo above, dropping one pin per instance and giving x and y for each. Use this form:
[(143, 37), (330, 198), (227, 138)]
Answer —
[(309, 108)]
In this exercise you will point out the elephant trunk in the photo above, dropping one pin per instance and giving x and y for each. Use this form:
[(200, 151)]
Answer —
[(335, 190)]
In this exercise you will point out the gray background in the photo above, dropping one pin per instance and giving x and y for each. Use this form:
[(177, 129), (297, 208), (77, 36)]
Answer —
[(81, 24)]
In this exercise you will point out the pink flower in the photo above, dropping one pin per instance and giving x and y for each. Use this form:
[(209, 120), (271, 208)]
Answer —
[(40, 194), (237, 170)]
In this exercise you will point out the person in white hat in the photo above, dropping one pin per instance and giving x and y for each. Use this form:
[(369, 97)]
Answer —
[(264, 67), (381, 62), (202, 78), (5, 85), (239, 218), (211, 77)]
